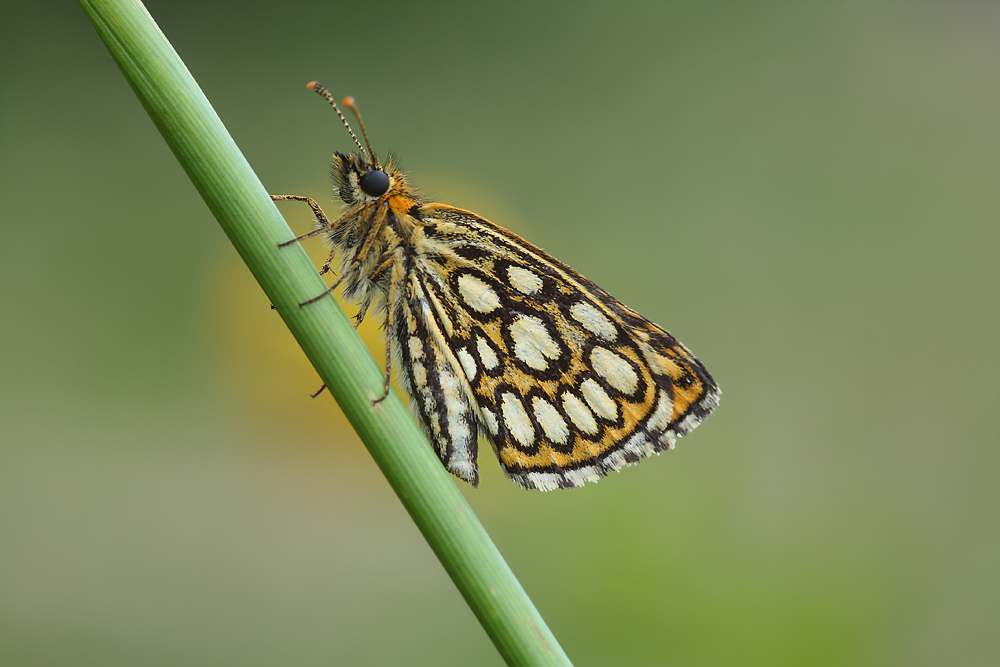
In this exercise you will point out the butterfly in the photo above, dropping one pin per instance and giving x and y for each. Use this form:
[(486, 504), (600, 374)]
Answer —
[(493, 337)]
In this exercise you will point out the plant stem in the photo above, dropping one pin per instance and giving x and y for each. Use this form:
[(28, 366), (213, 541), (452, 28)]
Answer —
[(242, 206)]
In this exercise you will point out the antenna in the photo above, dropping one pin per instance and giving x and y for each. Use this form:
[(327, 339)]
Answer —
[(321, 89), (353, 106)]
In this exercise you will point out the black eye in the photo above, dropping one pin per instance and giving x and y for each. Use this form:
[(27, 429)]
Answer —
[(375, 183)]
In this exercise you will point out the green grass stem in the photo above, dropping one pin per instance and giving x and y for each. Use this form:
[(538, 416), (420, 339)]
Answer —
[(242, 206)]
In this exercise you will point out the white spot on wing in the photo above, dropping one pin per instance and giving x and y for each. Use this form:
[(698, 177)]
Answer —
[(579, 413), (581, 475), (664, 408), (593, 320), (487, 354), (491, 421), (550, 420), (468, 363), (462, 468), (458, 428), (532, 343), (543, 481), (416, 348), (419, 374), (688, 424), (433, 423), (668, 439), (614, 369), (640, 445), (516, 420), (477, 294), (444, 227), (615, 460), (523, 280), (599, 400)]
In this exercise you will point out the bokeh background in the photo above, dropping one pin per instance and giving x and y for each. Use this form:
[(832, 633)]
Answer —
[(806, 195)]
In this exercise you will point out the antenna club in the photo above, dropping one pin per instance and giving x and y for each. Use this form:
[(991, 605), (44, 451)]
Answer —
[(325, 94), (349, 103)]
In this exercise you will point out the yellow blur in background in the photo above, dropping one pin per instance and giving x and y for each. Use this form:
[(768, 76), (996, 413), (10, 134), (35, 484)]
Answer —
[(806, 196)]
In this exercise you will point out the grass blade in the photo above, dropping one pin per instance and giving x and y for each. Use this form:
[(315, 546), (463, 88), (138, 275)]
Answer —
[(242, 206)]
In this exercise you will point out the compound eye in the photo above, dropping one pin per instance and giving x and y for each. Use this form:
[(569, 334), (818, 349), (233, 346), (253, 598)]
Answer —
[(375, 183)]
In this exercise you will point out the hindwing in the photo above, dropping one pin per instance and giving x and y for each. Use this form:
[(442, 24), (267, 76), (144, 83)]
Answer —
[(494, 336)]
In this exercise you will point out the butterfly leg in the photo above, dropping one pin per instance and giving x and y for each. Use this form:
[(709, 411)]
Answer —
[(360, 317), (351, 269), (317, 211), (328, 262), (358, 257), (388, 374)]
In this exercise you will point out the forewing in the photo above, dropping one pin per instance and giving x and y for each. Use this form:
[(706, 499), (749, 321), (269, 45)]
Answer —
[(567, 382)]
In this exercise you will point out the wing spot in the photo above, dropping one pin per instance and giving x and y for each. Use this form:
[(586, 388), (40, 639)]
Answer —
[(468, 363), (593, 320), (664, 365), (599, 400), (516, 419), (487, 354), (532, 342), (550, 420), (491, 420), (416, 348), (477, 294), (419, 374), (578, 412), (433, 423), (613, 368), (523, 280), (661, 417), (458, 427)]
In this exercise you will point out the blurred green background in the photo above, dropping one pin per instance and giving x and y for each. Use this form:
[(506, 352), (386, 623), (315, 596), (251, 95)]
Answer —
[(807, 196)]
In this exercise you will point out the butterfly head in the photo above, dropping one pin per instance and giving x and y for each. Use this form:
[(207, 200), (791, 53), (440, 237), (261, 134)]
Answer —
[(359, 176), (359, 179)]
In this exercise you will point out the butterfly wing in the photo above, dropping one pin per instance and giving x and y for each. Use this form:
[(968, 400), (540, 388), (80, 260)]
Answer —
[(567, 384)]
